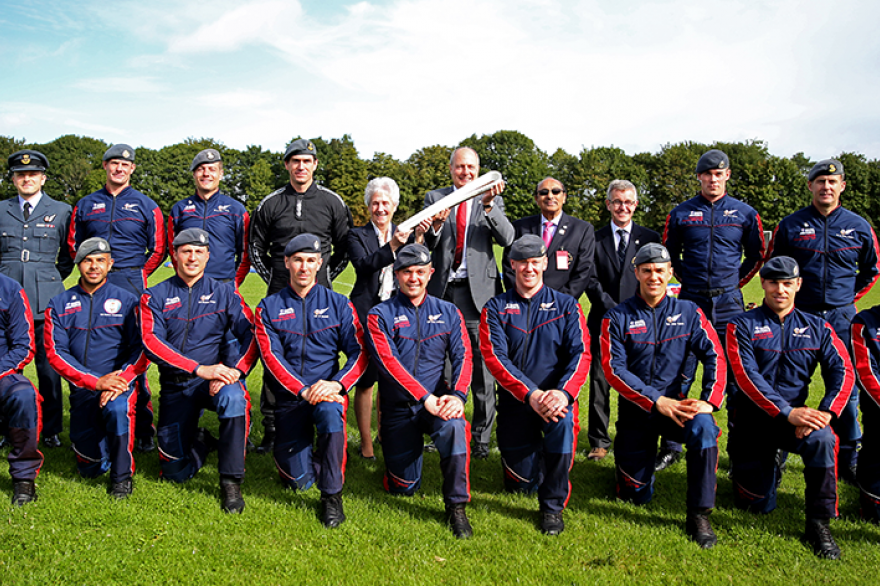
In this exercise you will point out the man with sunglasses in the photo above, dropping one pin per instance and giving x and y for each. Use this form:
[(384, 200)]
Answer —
[(616, 246)]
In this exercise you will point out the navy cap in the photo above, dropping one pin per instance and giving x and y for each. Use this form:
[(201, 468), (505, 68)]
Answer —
[(713, 159), (303, 243), (652, 252), (119, 151), (412, 255), (826, 167), (28, 160), (194, 236), (300, 146), (780, 268), (527, 246), (93, 245), (205, 156)]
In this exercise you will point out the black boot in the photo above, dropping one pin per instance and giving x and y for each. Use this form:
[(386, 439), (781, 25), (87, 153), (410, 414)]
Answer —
[(230, 493), (332, 515), (699, 529), (457, 519), (818, 535)]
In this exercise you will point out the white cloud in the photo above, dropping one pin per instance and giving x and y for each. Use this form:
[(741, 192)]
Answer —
[(123, 85)]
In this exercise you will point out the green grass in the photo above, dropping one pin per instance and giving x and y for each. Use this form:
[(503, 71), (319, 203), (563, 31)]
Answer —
[(177, 534)]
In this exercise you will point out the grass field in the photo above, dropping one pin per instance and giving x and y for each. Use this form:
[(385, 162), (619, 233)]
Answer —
[(74, 534)]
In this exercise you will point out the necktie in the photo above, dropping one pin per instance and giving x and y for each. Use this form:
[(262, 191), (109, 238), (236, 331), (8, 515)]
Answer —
[(621, 247), (548, 233), (460, 229), (26, 210)]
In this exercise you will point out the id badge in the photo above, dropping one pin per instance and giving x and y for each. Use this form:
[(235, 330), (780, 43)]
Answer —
[(562, 260)]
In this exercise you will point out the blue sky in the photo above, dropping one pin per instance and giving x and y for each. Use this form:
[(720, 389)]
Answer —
[(399, 75)]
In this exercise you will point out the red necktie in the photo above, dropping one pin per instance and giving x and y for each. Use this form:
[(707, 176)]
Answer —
[(460, 229)]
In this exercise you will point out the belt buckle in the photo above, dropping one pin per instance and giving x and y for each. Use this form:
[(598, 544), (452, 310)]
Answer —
[(25, 255)]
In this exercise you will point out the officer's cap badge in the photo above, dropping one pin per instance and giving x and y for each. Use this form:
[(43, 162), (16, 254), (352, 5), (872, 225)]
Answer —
[(832, 168), (126, 154), (423, 257), (25, 159)]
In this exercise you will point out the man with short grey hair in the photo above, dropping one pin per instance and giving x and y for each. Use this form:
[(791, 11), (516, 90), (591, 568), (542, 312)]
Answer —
[(616, 245)]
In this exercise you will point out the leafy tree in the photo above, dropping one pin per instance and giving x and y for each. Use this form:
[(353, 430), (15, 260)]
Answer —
[(424, 170), (343, 171)]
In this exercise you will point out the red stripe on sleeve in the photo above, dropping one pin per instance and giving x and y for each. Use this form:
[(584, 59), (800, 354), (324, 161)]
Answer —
[(391, 362), (275, 365), (863, 366), (626, 391), (841, 395), (734, 355)]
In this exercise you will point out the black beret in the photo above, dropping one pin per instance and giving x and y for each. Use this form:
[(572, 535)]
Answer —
[(652, 252), (527, 246), (412, 254), (93, 245), (780, 268), (713, 159), (205, 156), (194, 236), (119, 151), (300, 146), (826, 167), (303, 243), (28, 160)]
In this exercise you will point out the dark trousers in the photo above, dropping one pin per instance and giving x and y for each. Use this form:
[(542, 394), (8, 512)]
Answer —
[(103, 437), (868, 471), (635, 448), (49, 385), (753, 450), (482, 383), (300, 459), (599, 416), (537, 455), (181, 454), (132, 280), (847, 425), (20, 406), (403, 435)]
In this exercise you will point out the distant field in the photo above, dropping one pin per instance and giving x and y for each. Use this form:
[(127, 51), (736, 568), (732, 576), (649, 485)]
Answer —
[(177, 534)]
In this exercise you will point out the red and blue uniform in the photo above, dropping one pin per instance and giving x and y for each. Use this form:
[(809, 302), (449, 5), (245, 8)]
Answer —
[(530, 344), (643, 357), (866, 359), (183, 328), (409, 344), (134, 226), (772, 363), (839, 260), (300, 339), (227, 220), (18, 398), (88, 336)]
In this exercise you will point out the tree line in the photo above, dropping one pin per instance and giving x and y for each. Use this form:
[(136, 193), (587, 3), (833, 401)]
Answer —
[(775, 186)]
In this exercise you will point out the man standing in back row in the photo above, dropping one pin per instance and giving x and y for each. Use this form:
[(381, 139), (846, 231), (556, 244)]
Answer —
[(465, 272), (839, 260)]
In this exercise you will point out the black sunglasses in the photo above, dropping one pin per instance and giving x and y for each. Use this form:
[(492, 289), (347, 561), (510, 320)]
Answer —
[(555, 190)]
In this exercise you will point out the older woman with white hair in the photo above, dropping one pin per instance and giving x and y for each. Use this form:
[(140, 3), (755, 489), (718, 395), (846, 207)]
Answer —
[(372, 249)]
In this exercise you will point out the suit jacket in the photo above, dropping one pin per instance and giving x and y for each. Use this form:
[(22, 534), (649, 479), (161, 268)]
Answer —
[(573, 236), (612, 285), (484, 230), (33, 251), (368, 259)]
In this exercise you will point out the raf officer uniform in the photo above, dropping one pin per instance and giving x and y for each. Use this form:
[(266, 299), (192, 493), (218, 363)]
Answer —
[(33, 232)]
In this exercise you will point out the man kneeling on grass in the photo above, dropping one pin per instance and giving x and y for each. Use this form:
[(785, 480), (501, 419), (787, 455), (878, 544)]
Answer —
[(773, 351), (92, 340), (185, 321), (645, 341), (410, 336)]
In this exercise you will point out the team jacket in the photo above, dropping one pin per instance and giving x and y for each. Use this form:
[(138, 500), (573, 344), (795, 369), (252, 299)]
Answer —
[(88, 336), (866, 350), (283, 214), (300, 339), (707, 242), (838, 255), (538, 343), (644, 350), (131, 222), (184, 327), (17, 345), (410, 343), (227, 221), (773, 362)]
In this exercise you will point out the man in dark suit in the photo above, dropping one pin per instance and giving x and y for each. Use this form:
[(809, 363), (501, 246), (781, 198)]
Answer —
[(465, 272), (570, 242), (34, 227), (616, 245)]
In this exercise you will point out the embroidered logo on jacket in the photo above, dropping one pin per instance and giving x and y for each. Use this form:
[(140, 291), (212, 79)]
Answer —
[(287, 313), (637, 327), (730, 213), (763, 333), (510, 309), (803, 332), (112, 307), (674, 320), (98, 208), (694, 217), (547, 306), (171, 303), (401, 321), (435, 319), (321, 313), (848, 234), (223, 208), (207, 298), (130, 207)]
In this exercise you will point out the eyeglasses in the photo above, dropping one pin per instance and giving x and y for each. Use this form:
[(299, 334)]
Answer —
[(628, 203), (555, 191)]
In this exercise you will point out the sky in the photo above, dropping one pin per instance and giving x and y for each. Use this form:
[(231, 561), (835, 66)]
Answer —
[(400, 75)]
